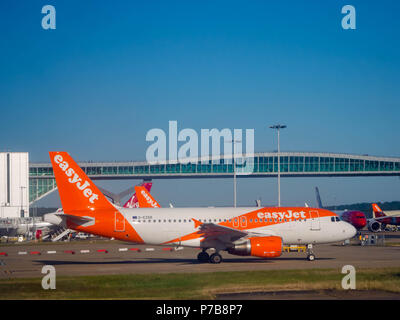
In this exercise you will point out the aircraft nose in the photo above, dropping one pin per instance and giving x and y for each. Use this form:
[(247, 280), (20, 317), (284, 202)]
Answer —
[(350, 230)]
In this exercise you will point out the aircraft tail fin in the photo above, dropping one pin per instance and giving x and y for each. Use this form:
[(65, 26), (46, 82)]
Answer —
[(133, 201), (377, 211), (319, 202), (145, 199), (77, 191)]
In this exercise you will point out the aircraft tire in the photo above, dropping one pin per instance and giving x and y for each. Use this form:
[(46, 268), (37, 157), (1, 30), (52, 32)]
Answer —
[(311, 257), (215, 258), (203, 257)]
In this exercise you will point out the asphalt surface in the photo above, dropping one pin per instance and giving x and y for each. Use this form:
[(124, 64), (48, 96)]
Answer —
[(104, 257)]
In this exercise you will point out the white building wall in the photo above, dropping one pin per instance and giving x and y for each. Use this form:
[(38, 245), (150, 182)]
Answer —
[(14, 184)]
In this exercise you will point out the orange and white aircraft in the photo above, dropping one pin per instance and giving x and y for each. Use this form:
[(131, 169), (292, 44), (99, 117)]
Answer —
[(260, 232)]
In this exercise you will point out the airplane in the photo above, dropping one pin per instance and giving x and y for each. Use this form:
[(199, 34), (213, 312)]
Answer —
[(38, 227), (354, 217), (380, 219), (259, 232)]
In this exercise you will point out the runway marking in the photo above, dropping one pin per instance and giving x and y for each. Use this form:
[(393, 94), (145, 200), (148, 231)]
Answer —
[(85, 251), (22, 252), (51, 252), (149, 249), (123, 249)]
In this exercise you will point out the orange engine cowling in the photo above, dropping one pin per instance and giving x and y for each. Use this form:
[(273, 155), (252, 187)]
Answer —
[(263, 247)]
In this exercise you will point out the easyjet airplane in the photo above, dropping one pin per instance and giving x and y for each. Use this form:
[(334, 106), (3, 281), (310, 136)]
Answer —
[(257, 232)]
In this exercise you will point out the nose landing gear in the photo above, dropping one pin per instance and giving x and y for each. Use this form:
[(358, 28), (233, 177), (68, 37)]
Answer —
[(310, 253)]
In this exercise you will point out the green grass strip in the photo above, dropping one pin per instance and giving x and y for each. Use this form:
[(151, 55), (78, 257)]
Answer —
[(195, 285)]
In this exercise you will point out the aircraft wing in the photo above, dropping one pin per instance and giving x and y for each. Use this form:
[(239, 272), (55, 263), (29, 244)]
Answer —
[(386, 217), (212, 231)]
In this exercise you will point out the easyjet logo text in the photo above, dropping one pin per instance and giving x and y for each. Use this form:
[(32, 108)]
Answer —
[(282, 215), (154, 204), (74, 178)]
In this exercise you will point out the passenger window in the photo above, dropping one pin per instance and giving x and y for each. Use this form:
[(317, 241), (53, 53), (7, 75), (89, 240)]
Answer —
[(255, 220), (251, 220)]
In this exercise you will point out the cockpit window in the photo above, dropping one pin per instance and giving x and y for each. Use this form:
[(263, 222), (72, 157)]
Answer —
[(337, 218), (333, 219)]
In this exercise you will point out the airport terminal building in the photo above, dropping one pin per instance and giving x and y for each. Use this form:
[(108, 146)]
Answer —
[(14, 184)]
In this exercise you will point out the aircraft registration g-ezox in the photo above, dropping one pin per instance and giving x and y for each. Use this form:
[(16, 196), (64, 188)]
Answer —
[(257, 232)]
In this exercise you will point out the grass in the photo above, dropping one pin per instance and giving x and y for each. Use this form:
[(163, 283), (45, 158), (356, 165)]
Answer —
[(195, 285)]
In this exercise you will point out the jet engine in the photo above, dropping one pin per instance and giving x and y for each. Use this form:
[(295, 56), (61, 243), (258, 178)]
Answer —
[(263, 247), (374, 226)]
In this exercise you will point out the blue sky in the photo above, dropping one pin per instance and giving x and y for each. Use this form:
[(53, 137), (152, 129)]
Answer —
[(110, 72)]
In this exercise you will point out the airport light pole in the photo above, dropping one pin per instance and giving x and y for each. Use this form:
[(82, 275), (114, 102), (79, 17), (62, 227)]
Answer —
[(278, 127), (234, 171)]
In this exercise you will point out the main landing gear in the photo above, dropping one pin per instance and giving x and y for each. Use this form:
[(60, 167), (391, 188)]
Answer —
[(205, 257), (310, 253)]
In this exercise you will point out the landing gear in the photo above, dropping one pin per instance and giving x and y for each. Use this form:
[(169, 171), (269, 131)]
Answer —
[(310, 253), (203, 256), (311, 257), (215, 258)]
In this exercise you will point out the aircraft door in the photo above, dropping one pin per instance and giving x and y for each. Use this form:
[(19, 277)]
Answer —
[(119, 222), (315, 221)]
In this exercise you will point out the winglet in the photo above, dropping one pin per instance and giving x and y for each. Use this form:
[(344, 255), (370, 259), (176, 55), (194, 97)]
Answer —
[(197, 223)]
